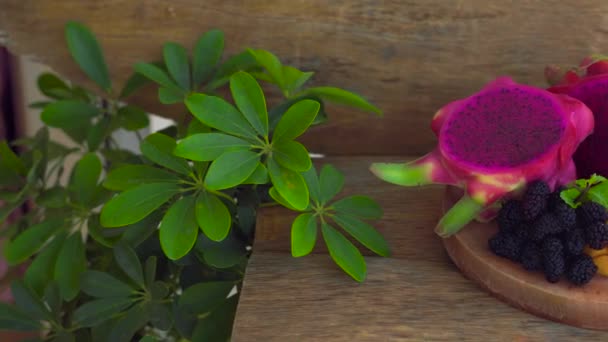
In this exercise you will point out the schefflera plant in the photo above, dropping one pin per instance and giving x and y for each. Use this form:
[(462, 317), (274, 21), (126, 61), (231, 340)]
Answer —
[(233, 150)]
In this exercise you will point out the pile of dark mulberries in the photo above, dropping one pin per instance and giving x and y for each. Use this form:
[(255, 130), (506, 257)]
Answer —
[(543, 233)]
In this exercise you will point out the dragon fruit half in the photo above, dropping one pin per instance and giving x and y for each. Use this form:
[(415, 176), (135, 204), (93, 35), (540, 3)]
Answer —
[(495, 142), (592, 90)]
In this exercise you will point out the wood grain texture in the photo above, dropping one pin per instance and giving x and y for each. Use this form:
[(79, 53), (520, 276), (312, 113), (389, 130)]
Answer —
[(409, 57), (416, 295)]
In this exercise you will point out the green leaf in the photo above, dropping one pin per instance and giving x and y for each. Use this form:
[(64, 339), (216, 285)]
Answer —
[(599, 194), (219, 114), (259, 176), (312, 182), (138, 232), (292, 155), (231, 169), (364, 233), (289, 184), (159, 290), (102, 285), (149, 339), (207, 53), (135, 82), (217, 326), (55, 197), (14, 319), (70, 264), (341, 96), (129, 176), (206, 296), (249, 98), (294, 78), (176, 59), (129, 324), (159, 148), (197, 127), (40, 271), (209, 146), (243, 61), (97, 311), (331, 182), (569, 196), (161, 316), (53, 87), (344, 253), (150, 270), (178, 228), (225, 254), (274, 194), (84, 178), (132, 118), (52, 298), (73, 117), (296, 120), (27, 301), (157, 75), (98, 132), (10, 160), (170, 96), (30, 241), (64, 336), (212, 216), (129, 262), (98, 233), (271, 63), (303, 234), (359, 206), (87, 53), (136, 203)]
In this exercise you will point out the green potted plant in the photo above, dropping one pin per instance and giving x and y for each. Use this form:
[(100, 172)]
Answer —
[(152, 245)]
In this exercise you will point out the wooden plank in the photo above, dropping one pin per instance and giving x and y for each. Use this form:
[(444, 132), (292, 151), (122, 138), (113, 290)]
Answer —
[(309, 299), (409, 213), (409, 57)]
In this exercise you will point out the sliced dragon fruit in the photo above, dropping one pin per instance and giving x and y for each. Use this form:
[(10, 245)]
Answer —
[(494, 143), (592, 90)]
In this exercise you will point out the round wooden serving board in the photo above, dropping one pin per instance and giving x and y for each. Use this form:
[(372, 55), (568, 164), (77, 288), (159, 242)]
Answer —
[(585, 307)]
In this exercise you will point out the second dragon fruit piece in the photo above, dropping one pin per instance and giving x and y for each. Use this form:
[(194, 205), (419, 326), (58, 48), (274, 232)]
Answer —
[(493, 144)]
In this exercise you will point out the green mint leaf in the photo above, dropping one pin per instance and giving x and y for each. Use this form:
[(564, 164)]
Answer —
[(219, 114), (207, 53), (134, 204), (274, 194), (341, 96), (73, 117), (102, 285), (292, 155), (271, 63), (97, 311), (249, 99), (296, 120), (87, 53), (303, 235), (128, 261), (31, 240), (11, 318), (178, 65), (157, 75), (40, 271), (129, 176), (212, 216), (28, 302), (289, 184), (294, 78), (364, 233), (599, 194), (178, 228), (84, 179), (53, 87), (359, 206), (71, 263), (159, 148), (344, 253), (209, 146), (569, 196), (231, 169), (331, 182), (132, 118), (259, 176), (312, 182)]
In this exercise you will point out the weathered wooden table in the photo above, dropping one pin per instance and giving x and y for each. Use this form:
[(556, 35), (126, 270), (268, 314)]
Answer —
[(409, 58)]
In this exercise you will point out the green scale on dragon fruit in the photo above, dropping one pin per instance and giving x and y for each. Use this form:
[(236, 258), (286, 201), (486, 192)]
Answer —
[(492, 144), (592, 90)]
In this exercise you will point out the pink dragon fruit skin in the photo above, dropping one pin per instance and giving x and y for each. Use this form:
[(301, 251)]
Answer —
[(495, 142), (592, 90)]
